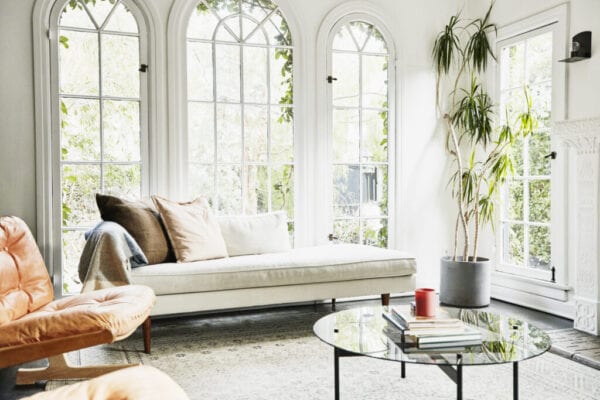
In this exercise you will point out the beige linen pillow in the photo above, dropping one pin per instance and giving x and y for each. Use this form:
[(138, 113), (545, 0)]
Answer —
[(255, 234), (193, 230)]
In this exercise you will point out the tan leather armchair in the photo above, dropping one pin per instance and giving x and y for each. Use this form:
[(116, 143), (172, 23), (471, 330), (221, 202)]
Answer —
[(33, 326)]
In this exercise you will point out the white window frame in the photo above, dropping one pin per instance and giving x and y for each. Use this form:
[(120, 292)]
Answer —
[(554, 20), (48, 194), (178, 111), (391, 72)]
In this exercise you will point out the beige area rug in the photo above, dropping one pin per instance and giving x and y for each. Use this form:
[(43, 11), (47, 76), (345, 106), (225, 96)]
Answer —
[(274, 355)]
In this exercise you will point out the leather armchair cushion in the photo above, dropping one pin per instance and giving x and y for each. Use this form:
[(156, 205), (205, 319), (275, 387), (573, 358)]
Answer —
[(118, 310), (137, 383), (24, 282)]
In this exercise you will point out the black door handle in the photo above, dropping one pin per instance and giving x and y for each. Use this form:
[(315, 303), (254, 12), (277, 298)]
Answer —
[(552, 155)]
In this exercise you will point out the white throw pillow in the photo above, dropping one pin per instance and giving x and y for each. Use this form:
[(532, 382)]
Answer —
[(255, 234)]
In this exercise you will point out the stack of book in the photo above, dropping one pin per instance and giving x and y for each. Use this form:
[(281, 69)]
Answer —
[(432, 332)]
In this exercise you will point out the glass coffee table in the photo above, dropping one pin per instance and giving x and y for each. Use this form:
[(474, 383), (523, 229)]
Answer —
[(364, 332)]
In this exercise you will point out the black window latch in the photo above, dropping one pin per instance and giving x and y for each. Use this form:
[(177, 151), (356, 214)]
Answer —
[(143, 68), (552, 155), (330, 79)]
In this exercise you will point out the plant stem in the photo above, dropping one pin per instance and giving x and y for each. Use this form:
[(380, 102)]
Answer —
[(455, 238), (476, 236), (460, 186)]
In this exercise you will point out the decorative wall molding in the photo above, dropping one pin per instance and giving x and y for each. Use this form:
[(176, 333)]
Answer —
[(583, 137)]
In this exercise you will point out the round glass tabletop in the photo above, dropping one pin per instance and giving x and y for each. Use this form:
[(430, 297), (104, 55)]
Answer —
[(364, 331)]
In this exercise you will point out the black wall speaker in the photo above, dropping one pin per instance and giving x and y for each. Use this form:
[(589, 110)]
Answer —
[(581, 47)]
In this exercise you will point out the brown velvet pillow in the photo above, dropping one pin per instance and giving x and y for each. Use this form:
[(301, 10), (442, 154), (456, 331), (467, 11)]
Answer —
[(143, 224)]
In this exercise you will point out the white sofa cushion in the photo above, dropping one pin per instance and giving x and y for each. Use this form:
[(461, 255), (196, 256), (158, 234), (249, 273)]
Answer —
[(331, 263), (255, 234)]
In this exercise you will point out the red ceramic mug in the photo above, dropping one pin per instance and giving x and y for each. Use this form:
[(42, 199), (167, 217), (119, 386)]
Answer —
[(425, 302)]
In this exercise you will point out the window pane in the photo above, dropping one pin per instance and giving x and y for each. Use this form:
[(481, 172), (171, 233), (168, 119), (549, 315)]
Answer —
[(517, 157), (225, 7), (515, 244), (122, 20), (72, 247), (229, 184), (513, 66), (347, 231), (80, 183), (346, 136), (541, 97), (201, 136), (360, 31), (100, 10), (344, 41), (515, 200), (539, 247), (374, 135), (229, 133), (123, 181), (374, 191), (281, 76), (257, 9), (255, 75), (539, 201), (255, 133), (375, 44), (228, 72), (78, 63), (200, 71), (121, 121), (374, 232), (120, 66), (539, 58), (256, 197), (253, 33), (80, 130), (202, 23), (346, 190), (539, 148), (75, 16), (201, 181), (374, 80), (346, 90), (277, 30), (282, 189), (282, 134)]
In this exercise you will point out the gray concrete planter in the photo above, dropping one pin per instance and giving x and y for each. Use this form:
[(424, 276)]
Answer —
[(465, 283)]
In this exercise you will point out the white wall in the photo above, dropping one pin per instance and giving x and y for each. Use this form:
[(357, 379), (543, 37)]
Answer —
[(425, 219)]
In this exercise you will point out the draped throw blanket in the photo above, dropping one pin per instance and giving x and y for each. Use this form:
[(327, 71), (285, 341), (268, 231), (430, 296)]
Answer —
[(109, 254)]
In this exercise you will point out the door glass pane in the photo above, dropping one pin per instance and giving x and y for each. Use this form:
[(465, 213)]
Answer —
[(281, 76), (347, 230), (75, 16), (346, 190), (513, 66), (120, 66), (374, 191), (539, 148), (121, 121), (374, 146), (374, 80), (539, 201), (122, 20), (346, 89), (374, 232), (202, 23), (123, 181), (80, 183), (344, 41), (80, 130), (539, 58), (515, 200), (78, 63), (539, 247), (515, 244), (100, 10), (346, 135)]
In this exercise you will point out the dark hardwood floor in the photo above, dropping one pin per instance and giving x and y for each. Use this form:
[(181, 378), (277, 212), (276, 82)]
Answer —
[(8, 390)]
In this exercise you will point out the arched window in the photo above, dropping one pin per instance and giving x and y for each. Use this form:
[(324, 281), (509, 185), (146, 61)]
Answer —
[(240, 136), (99, 116), (361, 138)]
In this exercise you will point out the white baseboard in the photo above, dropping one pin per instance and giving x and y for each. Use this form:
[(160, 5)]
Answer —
[(564, 309)]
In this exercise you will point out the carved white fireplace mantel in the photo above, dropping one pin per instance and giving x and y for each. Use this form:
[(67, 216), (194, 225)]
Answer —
[(583, 138)]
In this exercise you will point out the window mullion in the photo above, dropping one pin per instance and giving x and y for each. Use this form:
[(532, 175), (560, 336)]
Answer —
[(215, 195), (243, 187), (269, 101), (360, 146), (101, 111)]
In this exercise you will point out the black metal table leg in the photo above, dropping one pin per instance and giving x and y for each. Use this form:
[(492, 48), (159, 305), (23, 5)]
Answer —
[(403, 369), (515, 381), (459, 388), (336, 369)]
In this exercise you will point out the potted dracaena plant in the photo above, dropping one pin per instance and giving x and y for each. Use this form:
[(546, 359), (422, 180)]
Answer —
[(480, 147)]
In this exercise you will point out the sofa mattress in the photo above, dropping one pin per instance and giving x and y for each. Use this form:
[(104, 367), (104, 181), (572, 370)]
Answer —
[(331, 263)]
